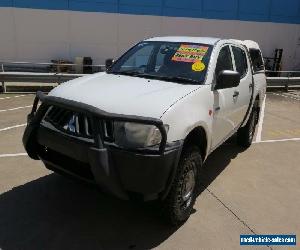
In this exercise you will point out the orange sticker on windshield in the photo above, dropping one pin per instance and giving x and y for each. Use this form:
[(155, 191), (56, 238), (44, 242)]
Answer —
[(190, 53), (198, 66)]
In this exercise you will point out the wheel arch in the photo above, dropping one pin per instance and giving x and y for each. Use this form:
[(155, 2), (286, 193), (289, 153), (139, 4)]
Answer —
[(255, 100), (197, 137)]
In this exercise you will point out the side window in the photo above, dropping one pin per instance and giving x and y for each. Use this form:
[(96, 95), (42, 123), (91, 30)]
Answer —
[(224, 60), (257, 61), (240, 59)]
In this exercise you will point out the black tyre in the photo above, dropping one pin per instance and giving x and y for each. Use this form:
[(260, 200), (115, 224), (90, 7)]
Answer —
[(245, 134), (178, 205)]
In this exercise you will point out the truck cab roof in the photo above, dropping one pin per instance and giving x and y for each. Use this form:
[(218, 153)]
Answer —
[(185, 39), (204, 40)]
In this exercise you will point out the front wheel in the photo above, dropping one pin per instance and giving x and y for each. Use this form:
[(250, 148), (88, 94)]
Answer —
[(178, 205)]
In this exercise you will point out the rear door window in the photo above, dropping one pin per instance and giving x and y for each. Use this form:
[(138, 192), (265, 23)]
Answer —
[(240, 59)]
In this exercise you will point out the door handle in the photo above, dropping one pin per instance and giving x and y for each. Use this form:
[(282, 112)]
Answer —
[(236, 93)]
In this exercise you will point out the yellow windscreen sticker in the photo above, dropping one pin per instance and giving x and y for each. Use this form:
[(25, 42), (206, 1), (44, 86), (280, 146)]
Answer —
[(198, 66)]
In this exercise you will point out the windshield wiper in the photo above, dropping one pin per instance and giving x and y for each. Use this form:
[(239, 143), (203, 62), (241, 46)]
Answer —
[(126, 73), (179, 79)]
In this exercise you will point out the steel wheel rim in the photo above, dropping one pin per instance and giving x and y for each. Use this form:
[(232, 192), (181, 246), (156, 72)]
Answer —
[(189, 183)]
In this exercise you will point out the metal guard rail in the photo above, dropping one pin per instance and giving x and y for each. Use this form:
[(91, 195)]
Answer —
[(61, 77), (35, 77), (283, 82)]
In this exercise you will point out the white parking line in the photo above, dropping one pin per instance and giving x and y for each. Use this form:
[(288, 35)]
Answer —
[(12, 109), (10, 97), (261, 120), (12, 127), (287, 96), (12, 155), (279, 140)]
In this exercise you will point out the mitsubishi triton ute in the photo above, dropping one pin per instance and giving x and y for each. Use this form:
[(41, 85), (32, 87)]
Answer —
[(145, 126)]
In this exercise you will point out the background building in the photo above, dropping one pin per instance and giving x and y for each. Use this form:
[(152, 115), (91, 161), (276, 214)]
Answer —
[(41, 30)]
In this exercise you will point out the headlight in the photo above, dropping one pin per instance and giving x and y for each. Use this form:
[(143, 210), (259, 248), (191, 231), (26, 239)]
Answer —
[(135, 135)]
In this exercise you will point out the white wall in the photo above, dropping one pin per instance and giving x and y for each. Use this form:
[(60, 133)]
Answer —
[(42, 35)]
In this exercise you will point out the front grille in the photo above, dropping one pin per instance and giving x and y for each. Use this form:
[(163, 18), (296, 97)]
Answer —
[(108, 130), (78, 124), (71, 122)]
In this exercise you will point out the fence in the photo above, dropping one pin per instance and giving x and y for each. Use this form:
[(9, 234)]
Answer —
[(39, 72), (46, 67), (284, 79), (25, 77)]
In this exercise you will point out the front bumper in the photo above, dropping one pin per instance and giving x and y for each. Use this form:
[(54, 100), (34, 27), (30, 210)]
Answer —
[(143, 173)]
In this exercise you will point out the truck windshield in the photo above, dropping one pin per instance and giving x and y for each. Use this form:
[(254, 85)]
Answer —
[(184, 63)]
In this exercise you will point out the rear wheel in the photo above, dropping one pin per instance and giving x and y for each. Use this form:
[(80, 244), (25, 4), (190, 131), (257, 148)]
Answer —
[(180, 201), (245, 134)]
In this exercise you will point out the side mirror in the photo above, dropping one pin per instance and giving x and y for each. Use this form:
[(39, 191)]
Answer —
[(227, 79), (108, 63)]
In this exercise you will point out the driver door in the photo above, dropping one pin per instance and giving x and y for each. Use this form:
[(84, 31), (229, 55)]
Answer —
[(225, 106)]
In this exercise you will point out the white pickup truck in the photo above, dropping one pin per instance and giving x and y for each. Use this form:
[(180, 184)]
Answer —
[(145, 126)]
